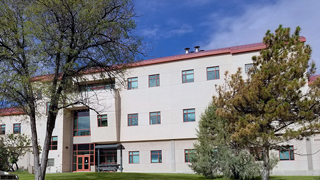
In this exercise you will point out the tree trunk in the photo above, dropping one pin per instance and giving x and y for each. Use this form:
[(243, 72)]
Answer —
[(10, 167), (52, 115), (17, 167), (35, 146), (45, 153), (266, 167)]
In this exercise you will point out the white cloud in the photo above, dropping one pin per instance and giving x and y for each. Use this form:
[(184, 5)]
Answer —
[(166, 32), (251, 26)]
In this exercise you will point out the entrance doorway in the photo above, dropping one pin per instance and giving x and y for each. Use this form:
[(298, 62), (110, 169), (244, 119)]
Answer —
[(79, 152), (83, 163)]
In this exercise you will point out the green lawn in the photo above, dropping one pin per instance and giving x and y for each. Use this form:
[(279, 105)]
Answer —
[(137, 176)]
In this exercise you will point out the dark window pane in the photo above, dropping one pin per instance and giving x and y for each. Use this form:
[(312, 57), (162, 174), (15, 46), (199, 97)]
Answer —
[(83, 146), (84, 122)]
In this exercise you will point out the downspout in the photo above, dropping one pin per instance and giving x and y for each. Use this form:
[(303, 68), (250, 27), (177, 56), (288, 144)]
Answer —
[(121, 168), (98, 159)]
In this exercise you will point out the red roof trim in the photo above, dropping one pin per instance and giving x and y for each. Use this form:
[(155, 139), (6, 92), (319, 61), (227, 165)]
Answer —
[(11, 111)]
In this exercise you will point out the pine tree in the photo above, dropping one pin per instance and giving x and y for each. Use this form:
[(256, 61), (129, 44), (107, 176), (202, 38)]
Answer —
[(273, 105), (215, 153)]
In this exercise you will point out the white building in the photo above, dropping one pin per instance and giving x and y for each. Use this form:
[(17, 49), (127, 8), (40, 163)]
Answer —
[(152, 122)]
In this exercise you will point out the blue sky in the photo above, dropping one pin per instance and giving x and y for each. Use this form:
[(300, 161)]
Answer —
[(169, 26)]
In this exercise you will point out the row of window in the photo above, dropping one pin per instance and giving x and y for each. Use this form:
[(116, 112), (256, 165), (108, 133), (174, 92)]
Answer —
[(187, 76), (154, 118), (81, 124), (16, 128), (156, 156)]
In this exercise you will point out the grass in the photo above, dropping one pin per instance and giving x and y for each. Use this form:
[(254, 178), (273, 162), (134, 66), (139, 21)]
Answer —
[(137, 176)]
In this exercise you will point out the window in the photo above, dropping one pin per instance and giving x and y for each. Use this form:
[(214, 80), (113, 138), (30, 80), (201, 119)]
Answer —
[(257, 153), (187, 76), (81, 123), (187, 154), (54, 143), (189, 115), (47, 108), (156, 156), (286, 153), (102, 120), (132, 119), (155, 118), (247, 67), (109, 84), (133, 157), (133, 83), (2, 129), (213, 73), (39, 95), (50, 162), (154, 80), (16, 128)]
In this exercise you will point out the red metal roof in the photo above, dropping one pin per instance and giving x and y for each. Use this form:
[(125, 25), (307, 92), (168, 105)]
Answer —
[(226, 50)]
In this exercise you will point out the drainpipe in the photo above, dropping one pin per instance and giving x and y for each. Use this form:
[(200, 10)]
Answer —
[(98, 159), (121, 168)]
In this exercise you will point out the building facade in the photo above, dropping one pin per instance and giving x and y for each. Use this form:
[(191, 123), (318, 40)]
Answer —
[(149, 125)]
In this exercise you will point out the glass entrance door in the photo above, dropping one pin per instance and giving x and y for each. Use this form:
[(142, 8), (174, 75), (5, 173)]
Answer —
[(83, 162)]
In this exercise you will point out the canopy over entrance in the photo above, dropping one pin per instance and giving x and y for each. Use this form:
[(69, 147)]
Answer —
[(109, 147)]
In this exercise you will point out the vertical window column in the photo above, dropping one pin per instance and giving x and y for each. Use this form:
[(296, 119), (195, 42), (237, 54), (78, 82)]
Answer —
[(81, 124), (54, 143)]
